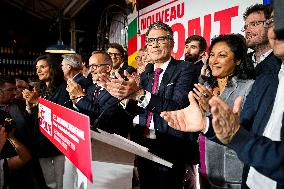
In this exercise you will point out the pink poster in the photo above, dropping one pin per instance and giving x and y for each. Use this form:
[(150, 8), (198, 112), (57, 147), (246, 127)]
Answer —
[(69, 131)]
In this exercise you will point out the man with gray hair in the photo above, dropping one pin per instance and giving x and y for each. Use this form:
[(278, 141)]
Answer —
[(96, 99), (71, 66), (165, 88)]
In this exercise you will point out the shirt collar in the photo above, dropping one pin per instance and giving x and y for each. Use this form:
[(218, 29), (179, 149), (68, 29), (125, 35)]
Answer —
[(262, 57), (164, 65), (281, 71)]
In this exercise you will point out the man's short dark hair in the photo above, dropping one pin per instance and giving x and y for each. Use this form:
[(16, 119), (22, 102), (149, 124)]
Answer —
[(118, 47), (200, 39), (266, 9)]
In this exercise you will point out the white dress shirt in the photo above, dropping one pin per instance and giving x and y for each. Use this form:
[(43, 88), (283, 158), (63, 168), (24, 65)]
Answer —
[(262, 57), (147, 98)]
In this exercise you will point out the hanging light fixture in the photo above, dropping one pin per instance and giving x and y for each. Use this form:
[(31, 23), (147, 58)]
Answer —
[(60, 47)]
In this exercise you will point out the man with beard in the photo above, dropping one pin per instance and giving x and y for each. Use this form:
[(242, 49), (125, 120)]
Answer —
[(256, 38), (194, 50)]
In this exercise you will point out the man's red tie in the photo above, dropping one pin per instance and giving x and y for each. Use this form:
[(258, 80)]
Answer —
[(157, 73), (97, 92)]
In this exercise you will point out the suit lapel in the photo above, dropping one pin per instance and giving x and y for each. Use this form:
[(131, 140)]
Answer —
[(103, 92), (169, 72), (147, 81), (270, 101), (229, 90)]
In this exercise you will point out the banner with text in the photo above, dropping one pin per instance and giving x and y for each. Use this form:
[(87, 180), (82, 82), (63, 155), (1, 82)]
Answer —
[(207, 18), (69, 131)]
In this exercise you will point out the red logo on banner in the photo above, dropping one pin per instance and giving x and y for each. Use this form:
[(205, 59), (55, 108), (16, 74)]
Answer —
[(69, 131)]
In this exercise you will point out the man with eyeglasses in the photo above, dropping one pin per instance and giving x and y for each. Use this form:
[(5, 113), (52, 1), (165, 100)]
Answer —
[(117, 54), (255, 29), (9, 104), (29, 176), (96, 99), (165, 88)]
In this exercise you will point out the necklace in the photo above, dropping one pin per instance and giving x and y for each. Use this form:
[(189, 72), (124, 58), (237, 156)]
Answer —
[(222, 83)]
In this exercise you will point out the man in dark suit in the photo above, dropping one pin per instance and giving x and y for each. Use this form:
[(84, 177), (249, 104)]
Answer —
[(71, 66), (165, 89), (119, 59), (96, 99)]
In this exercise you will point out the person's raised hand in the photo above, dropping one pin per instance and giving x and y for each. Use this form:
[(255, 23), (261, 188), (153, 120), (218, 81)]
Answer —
[(225, 120), (189, 119), (203, 95)]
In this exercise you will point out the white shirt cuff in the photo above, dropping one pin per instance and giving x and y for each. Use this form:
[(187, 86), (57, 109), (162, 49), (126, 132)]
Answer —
[(124, 103), (146, 100), (206, 126)]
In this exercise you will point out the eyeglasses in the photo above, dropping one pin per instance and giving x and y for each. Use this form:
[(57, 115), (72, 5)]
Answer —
[(269, 23), (114, 54), (96, 66), (253, 24), (160, 40)]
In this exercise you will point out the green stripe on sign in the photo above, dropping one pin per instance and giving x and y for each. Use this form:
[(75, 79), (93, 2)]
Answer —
[(132, 29)]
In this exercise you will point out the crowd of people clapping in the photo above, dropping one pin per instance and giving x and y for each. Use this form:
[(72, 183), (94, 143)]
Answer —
[(221, 109)]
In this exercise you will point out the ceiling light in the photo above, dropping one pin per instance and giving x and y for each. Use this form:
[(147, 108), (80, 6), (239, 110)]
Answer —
[(60, 47)]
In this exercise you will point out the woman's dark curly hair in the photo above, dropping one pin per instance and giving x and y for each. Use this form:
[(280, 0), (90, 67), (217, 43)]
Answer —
[(237, 44), (55, 74)]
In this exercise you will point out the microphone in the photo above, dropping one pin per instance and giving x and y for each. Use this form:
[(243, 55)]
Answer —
[(148, 70)]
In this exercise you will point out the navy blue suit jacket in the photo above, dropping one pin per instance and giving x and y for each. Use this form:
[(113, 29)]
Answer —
[(178, 79), (113, 120), (82, 81), (253, 149)]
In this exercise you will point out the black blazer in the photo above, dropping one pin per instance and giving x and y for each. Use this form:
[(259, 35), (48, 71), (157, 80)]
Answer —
[(178, 79), (113, 120), (44, 148)]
